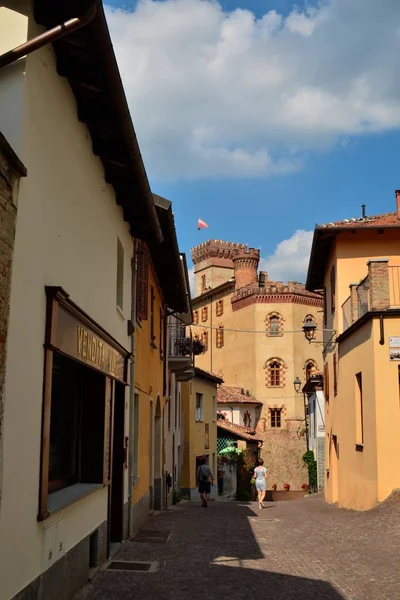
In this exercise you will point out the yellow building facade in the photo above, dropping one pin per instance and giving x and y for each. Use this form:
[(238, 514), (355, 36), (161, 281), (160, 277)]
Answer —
[(199, 411), (358, 264), (252, 329)]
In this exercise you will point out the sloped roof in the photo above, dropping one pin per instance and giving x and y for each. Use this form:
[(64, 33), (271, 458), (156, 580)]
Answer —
[(384, 220), (227, 394), (243, 432)]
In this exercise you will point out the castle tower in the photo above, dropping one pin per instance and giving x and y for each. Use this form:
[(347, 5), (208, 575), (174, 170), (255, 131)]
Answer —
[(213, 264), (245, 262)]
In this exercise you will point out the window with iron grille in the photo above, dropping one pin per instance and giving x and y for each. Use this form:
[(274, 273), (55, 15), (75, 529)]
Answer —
[(142, 284), (204, 313), (219, 307), (220, 336), (275, 414)]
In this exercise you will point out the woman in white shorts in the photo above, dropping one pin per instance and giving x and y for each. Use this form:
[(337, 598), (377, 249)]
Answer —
[(260, 475)]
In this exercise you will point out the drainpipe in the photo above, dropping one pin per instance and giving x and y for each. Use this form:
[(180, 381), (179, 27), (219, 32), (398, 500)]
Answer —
[(48, 37), (132, 390)]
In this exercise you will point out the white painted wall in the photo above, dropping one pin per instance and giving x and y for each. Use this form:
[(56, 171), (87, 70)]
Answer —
[(67, 229), (235, 413), (316, 412)]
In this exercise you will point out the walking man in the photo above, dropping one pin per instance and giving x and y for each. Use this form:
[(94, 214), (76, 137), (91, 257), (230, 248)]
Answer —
[(205, 479)]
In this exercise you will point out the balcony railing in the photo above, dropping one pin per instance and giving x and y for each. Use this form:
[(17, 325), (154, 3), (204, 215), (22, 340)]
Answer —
[(179, 343), (394, 286)]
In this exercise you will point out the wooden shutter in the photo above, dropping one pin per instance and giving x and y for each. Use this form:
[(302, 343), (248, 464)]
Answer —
[(142, 266)]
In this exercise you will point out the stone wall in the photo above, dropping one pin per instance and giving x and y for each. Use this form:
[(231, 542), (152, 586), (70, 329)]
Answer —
[(11, 169), (282, 452)]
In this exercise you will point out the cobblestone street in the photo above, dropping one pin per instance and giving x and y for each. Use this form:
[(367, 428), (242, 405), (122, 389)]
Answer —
[(302, 549)]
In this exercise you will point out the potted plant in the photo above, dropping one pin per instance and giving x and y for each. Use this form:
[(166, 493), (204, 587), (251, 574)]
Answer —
[(286, 486), (304, 486)]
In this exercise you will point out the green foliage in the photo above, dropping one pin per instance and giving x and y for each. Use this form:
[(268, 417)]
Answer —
[(176, 497), (243, 495), (311, 463)]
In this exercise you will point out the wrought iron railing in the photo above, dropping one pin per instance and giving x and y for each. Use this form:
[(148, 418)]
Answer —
[(394, 286), (346, 312)]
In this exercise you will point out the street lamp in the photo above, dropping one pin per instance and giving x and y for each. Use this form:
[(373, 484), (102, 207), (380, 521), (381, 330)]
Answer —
[(309, 328), (297, 385)]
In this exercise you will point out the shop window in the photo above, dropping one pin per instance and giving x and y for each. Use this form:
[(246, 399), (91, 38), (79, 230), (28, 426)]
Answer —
[(204, 313), (219, 307), (196, 317), (275, 373), (199, 406), (120, 274), (275, 416), (142, 291), (220, 336), (77, 428)]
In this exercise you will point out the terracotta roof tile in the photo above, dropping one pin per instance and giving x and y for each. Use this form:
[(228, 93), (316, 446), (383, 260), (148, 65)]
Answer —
[(239, 430), (384, 220), (227, 394)]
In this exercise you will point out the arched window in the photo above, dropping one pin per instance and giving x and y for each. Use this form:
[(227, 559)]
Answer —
[(274, 324), (310, 368), (275, 373)]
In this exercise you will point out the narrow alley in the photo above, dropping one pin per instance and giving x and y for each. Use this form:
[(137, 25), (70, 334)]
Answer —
[(304, 549)]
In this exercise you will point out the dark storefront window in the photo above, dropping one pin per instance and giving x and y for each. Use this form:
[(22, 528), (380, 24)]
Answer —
[(76, 424)]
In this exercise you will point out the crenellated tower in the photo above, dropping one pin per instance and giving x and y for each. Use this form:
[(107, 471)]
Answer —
[(213, 264), (245, 263)]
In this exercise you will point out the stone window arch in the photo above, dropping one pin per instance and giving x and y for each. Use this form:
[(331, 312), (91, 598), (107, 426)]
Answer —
[(274, 324), (311, 317), (275, 373), (309, 368)]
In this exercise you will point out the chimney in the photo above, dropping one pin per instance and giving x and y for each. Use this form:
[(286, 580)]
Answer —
[(363, 211), (245, 262), (397, 194)]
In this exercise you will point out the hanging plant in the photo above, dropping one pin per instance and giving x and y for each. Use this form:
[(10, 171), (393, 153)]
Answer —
[(198, 347)]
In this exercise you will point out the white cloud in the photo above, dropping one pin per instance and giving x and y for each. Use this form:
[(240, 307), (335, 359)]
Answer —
[(289, 262), (218, 94)]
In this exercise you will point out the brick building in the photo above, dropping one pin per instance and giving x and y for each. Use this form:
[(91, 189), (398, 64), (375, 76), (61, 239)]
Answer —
[(252, 329)]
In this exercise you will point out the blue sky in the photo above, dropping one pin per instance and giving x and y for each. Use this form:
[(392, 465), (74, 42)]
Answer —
[(266, 120)]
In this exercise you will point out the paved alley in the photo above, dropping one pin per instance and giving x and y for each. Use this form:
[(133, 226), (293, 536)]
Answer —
[(303, 549)]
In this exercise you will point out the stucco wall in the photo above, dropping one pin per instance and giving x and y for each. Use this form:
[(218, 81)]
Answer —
[(66, 235)]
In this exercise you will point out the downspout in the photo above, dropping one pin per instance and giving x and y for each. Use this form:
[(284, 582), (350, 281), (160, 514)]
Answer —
[(132, 391), (48, 37)]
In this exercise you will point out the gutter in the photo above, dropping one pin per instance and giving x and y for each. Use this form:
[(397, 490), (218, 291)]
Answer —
[(132, 391), (48, 37)]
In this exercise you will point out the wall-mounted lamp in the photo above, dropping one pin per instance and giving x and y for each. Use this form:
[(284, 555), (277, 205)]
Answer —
[(309, 328), (297, 385)]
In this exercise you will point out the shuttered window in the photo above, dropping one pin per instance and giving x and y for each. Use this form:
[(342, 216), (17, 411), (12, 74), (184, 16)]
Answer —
[(142, 293)]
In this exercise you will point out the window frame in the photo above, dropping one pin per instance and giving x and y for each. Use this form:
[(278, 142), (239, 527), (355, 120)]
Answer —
[(196, 317), (220, 337), (275, 417), (219, 307), (199, 409), (204, 314)]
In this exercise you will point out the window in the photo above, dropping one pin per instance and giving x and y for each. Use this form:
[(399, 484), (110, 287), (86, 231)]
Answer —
[(274, 326), (325, 309), (275, 373), (359, 411), (204, 339), (203, 282), (326, 381), (135, 440), (196, 317), (77, 425), (275, 414), (219, 307), (311, 366), (335, 375), (199, 406), (152, 333), (204, 313), (333, 288), (214, 408), (142, 294), (120, 274), (220, 336)]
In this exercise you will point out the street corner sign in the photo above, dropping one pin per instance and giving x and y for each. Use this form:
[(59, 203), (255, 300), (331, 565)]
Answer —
[(394, 348)]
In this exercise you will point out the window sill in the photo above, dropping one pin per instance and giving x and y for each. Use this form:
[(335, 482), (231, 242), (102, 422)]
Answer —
[(359, 447), (69, 495), (199, 420)]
